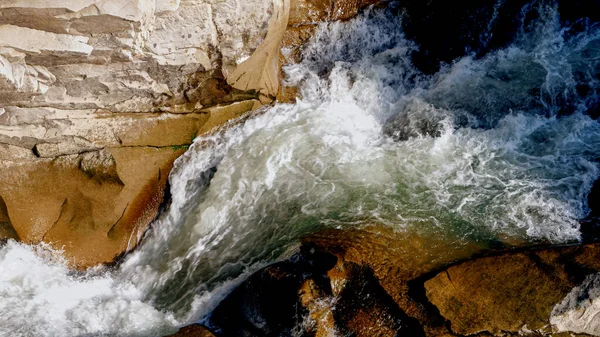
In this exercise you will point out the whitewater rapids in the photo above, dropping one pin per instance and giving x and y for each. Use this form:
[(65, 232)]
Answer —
[(480, 152)]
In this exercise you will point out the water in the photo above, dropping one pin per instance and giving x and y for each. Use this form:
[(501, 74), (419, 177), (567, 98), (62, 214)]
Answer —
[(490, 150)]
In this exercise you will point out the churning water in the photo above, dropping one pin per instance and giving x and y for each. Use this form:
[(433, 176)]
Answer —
[(492, 149)]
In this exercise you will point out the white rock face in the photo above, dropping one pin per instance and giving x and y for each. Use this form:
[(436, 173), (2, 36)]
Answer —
[(579, 312), (119, 55)]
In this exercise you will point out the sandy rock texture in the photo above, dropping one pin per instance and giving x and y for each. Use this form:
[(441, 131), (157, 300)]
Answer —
[(376, 282), (530, 292), (98, 98)]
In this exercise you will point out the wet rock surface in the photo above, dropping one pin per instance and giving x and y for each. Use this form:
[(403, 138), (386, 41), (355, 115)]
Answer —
[(335, 287), (83, 82), (193, 331), (512, 291), (312, 294), (580, 309)]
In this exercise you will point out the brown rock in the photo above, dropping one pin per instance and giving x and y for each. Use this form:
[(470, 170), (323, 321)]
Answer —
[(261, 72), (220, 115), (347, 9), (293, 41), (395, 256), (95, 203), (512, 290), (6, 229), (310, 291), (92, 218), (305, 12), (193, 331), (363, 308)]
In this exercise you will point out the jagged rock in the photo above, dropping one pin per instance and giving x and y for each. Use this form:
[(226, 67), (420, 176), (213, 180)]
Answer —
[(100, 165), (94, 202), (71, 145), (515, 291), (580, 311), (261, 71), (364, 308), (314, 294), (122, 56)]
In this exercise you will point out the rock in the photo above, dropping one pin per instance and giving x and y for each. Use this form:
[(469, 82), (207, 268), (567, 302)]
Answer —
[(62, 147), (100, 165), (499, 299), (193, 331), (6, 229), (580, 311), (261, 71), (98, 200), (514, 291), (364, 308), (123, 56), (92, 218), (312, 293), (510, 292), (307, 12), (396, 259), (268, 304)]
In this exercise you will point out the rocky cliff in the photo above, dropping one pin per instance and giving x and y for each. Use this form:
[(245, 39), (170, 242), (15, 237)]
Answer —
[(99, 97)]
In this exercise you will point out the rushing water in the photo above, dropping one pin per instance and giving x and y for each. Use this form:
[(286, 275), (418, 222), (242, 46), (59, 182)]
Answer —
[(492, 149)]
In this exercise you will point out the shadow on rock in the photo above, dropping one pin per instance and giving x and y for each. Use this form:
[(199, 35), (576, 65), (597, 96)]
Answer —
[(312, 294)]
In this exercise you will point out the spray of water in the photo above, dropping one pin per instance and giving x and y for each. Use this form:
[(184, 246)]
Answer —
[(492, 149)]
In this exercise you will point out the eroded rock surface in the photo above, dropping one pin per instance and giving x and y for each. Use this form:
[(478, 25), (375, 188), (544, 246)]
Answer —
[(313, 293), (377, 282), (517, 292), (580, 309), (123, 56), (99, 97)]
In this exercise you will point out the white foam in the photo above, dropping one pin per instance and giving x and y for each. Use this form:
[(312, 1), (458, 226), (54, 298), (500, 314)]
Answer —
[(40, 297), (466, 153)]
